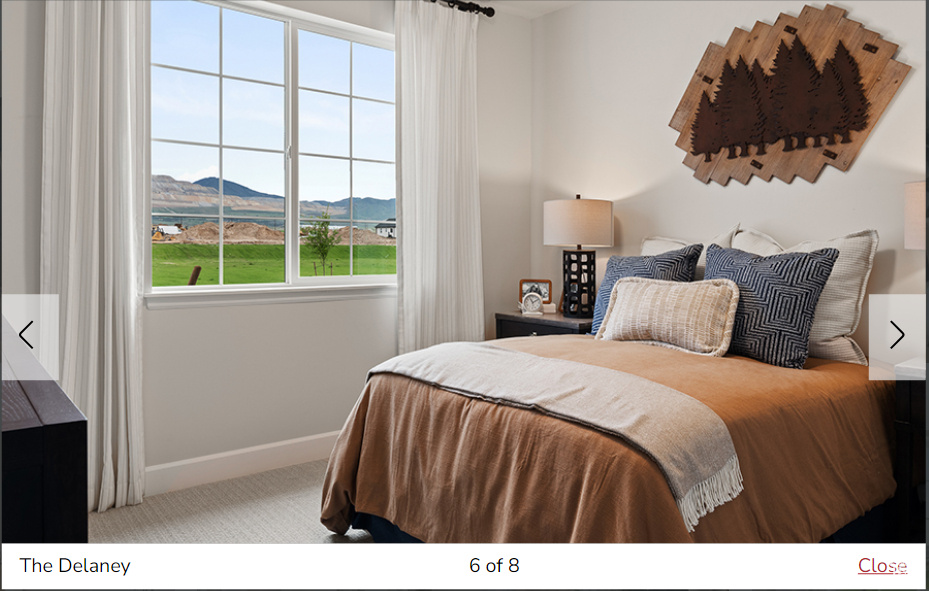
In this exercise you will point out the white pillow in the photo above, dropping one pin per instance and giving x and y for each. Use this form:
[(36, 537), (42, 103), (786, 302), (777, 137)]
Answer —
[(689, 316), (755, 242), (658, 244), (839, 308)]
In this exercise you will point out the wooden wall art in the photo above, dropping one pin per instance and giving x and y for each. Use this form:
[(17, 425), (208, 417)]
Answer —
[(787, 99)]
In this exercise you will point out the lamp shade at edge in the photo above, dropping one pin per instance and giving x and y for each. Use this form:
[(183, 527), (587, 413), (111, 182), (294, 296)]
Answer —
[(569, 222)]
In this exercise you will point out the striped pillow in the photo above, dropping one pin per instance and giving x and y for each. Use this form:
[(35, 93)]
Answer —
[(677, 265), (695, 317), (839, 307), (777, 300)]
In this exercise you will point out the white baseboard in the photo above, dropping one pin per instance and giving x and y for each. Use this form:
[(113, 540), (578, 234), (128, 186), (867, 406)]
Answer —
[(163, 478)]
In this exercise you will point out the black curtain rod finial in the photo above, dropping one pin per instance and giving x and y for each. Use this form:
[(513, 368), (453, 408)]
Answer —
[(469, 7)]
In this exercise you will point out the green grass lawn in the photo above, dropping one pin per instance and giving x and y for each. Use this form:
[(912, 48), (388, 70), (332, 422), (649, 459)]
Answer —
[(260, 263)]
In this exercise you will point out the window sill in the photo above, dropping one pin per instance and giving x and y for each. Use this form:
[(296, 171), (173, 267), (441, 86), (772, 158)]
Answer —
[(169, 298)]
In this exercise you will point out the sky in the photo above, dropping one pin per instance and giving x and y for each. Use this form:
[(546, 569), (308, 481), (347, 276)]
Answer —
[(186, 105)]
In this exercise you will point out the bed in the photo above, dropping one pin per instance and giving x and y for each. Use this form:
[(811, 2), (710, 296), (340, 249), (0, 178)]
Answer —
[(814, 448), (425, 459)]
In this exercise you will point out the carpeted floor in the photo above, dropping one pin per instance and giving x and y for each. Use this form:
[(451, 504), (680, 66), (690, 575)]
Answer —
[(275, 507)]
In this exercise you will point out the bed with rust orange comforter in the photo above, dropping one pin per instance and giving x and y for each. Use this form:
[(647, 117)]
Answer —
[(813, 445)]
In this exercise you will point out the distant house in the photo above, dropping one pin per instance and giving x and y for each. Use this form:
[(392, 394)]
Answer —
[(387, 229)]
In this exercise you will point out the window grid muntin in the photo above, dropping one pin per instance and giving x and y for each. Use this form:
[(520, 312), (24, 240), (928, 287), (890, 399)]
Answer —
[(221, 146), (222, 177), (219, 75), (344, 95)]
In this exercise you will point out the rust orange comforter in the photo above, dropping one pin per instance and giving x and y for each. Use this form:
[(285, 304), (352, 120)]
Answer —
[(813, 444)]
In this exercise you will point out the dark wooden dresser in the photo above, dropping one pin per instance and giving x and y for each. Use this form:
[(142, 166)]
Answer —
[(44, 463)]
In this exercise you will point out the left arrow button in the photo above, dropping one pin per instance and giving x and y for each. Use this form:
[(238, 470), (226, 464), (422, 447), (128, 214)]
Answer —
[(24, 330)]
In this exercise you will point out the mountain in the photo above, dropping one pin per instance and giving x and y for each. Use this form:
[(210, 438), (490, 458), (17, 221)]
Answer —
[(366, 208), (170, 195), (202, 197), (231, 188)]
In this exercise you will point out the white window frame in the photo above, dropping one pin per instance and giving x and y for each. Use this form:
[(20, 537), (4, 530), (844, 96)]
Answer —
[(294, 288)]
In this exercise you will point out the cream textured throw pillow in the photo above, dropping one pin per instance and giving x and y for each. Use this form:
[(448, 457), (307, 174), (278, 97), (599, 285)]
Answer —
[(695, 317), (839, 306)]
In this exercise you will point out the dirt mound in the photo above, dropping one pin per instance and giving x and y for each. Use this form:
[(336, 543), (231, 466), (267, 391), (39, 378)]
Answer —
[(207, 233), (233, 233), (252, 233)]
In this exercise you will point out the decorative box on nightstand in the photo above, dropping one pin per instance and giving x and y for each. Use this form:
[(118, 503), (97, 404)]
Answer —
[(519, 325)]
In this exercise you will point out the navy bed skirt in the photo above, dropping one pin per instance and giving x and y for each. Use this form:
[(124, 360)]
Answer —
[(869, 528), (383, 531)]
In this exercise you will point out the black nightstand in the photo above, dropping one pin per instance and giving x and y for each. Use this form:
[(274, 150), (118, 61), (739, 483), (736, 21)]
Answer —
[(518, 325), (910, 461)]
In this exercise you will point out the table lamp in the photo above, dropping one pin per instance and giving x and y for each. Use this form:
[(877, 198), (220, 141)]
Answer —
[(578, 222)]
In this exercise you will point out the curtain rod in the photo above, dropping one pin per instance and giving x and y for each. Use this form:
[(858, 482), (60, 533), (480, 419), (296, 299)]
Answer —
[(468, 7)]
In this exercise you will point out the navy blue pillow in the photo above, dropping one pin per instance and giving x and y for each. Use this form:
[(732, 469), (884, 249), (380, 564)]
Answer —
[(676, 265), (777, 300)]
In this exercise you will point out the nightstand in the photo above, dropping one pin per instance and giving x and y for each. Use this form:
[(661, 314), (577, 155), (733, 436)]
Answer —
[(517, 325), (910, 460)]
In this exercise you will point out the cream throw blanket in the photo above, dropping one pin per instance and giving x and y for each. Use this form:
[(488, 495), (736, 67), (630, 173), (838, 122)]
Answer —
[(687, 440)]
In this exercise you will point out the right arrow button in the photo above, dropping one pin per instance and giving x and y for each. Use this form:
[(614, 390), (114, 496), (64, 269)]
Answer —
[(902, 334)]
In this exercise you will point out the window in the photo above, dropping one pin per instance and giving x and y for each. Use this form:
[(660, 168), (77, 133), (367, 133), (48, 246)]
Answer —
[(273, 150)]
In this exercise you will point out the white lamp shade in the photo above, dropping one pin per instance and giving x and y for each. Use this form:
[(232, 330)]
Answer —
[(569, 222), (914, 216)]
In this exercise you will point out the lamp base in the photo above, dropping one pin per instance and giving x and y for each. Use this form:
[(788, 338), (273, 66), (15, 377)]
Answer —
[(579, 270)]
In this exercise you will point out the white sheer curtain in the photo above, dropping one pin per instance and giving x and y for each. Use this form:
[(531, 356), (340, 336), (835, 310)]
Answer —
[(94, 157), (438, 205)]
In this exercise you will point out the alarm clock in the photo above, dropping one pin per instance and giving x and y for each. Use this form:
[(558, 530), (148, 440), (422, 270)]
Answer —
[(531, 304)]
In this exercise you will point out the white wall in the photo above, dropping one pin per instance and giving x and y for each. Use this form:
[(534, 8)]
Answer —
[(504, 79), (23, 54), (222, 379), (607, 77)]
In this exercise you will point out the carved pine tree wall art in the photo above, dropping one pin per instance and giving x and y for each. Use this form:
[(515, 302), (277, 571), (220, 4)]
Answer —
[(785, 100)]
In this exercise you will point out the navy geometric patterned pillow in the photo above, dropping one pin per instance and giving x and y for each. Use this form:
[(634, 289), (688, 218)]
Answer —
[(677, 265), (777, 300)]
